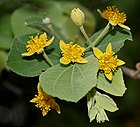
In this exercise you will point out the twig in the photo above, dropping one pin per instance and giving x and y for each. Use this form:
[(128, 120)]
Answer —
[(135, 74)]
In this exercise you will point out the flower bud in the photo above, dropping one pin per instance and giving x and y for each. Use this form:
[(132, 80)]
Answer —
[(46, 21), (77, 16)]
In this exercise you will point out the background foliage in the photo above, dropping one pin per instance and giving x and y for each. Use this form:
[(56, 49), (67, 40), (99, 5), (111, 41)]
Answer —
[(17, 91)]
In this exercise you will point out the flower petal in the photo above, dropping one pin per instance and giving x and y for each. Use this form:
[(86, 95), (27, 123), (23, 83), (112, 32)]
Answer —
[(97, 52), (56, 107), (42, 36), (44, 101), (39, 51), (33, 100), (39, 88), (82, 60), (62, 45), (63, 60), (27, 54), (109, 75), (112, 23), (120, 62), (50, 41), (82, 49), (99, 11), (124, 26), (109, 48)]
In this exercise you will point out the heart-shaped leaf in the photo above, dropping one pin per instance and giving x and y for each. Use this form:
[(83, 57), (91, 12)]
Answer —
[(18, 21), (33, 65), (70, 83)]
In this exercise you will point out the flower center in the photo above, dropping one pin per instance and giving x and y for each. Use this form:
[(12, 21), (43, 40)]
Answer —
[(108, 62), (72, 52), (113, 15)]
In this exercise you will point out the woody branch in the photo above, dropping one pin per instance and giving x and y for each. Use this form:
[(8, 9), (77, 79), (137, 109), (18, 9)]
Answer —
[(133, 73)]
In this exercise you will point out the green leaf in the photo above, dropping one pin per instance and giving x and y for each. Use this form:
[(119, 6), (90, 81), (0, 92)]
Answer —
[(70, 83), (18, 21), (90, 98), (5, 32), (5, 42), (36, 22), (3, 58), (117, 37), (92, 113), (92, 110), (105, 102), (33, 65), (101, 115), (116, 87), (62, 18)]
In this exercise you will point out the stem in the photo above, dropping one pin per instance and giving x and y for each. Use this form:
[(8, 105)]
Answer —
[(135, 74), (47, 59), (102, 34), (93, 92), (54, 33), (85, 35)]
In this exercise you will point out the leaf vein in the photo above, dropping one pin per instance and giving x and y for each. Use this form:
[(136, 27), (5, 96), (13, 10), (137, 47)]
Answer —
[(55, 81)]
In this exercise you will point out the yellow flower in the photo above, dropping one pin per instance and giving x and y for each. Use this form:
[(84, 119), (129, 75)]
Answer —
[(72, 53), (108, 61), (113, 15), (77, 16), (45, 102), (37, 44)]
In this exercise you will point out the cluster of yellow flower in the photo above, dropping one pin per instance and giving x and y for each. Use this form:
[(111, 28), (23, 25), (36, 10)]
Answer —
[(37, 44), (44, 101), (73, 53), (114, 17), (108, 61)]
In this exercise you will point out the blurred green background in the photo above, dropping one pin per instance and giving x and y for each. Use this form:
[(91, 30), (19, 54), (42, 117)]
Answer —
[(17, 91)]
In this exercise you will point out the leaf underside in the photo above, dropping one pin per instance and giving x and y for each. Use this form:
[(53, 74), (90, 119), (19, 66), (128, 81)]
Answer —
[(70, 83)]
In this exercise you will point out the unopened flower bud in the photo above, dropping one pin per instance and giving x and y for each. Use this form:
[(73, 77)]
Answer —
[(77, 16), (46, 20)]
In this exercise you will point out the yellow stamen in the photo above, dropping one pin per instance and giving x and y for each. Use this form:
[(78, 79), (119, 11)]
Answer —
[(114, 16), (37, 44), (72, 53), (108, 61), (45, 102)]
